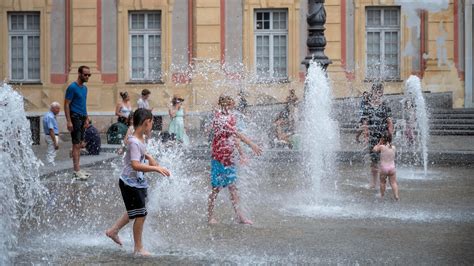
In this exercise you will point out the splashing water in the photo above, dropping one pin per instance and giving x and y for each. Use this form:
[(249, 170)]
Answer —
[(174, 192), (320, 135), (171, 196), (413, 90), (20, 186)]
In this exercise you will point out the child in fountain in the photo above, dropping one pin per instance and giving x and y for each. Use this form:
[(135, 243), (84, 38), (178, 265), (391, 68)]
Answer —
[(225, 145), (363, 114), (410, 121), (133, 185), (387, 164)]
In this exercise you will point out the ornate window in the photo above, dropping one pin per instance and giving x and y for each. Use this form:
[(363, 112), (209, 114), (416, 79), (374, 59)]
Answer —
[(145, 45), (271, 43), (24, 46), (383, 43)]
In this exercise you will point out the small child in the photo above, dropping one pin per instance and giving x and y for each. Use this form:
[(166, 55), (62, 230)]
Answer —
[(282, 128), (225, 144), (387, 164), (363, 114), (132, 183), (410, 121)]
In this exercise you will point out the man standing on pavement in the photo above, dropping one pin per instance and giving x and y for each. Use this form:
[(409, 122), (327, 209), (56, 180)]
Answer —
[(379, 123), (75, 108), (51, 131)]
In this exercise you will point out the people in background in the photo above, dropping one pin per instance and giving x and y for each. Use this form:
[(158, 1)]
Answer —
[(410, 120), (143, 100), (292, 108), (123, 108), (282, 127), (75, 109), (91, 139), (51, 131), (363, 116), (177, 123)]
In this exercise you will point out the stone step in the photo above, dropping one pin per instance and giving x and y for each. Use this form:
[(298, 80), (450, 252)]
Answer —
[(446, 124), (452, 127), (457, 132), (452, 121), (446, 132), (432, 120), (452, 116), (453, 111)]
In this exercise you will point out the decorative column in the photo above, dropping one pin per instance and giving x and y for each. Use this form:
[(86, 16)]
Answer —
[(316, 41)]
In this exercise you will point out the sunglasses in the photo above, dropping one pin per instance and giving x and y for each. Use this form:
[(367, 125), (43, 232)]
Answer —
[(87, 75)]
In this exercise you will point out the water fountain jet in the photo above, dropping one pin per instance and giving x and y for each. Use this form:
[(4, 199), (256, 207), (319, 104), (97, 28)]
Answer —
[(19, 177), (413, 91)]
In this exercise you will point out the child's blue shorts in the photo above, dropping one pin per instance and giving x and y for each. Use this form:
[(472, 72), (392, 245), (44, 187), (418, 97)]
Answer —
[(222, 176)]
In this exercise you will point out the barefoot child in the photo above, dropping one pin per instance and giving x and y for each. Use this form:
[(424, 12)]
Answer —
[(224, 146), (132, 183), (387, 164)]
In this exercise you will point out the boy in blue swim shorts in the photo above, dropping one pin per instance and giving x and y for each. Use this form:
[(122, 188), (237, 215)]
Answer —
[(225, 144)]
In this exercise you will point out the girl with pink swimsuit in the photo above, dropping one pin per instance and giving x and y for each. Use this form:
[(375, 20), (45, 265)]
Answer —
[(387, 164)]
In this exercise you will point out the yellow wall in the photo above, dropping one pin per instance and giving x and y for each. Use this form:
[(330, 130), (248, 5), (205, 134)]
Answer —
[(161, 92), (443, 78), (202, 92), (37, 96), (273, 92)]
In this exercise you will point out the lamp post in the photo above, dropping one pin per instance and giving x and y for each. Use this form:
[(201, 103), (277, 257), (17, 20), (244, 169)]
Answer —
[(316, 41)]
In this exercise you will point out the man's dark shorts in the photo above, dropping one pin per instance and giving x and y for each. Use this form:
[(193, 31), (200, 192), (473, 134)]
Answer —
[(77, 134)]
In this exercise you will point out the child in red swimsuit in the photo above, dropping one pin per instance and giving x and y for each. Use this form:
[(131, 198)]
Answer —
[(225, 144)]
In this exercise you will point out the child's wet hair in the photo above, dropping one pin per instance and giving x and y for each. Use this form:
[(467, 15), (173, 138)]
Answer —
[(140, 116), (387, 138), (225, 100), (377, 86)]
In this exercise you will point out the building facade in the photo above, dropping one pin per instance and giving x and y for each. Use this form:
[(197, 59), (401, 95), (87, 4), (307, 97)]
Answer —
[(182, 46)]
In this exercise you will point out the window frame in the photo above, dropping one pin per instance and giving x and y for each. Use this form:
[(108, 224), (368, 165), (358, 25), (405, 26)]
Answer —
[(146, 33), (271, 33), (24, 34), (382, 29)]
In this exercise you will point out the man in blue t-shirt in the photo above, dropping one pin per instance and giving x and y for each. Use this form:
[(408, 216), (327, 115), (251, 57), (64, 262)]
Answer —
[(75, 108), (51, 131)]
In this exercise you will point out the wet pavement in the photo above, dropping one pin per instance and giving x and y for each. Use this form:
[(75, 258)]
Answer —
[(339, 221)]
